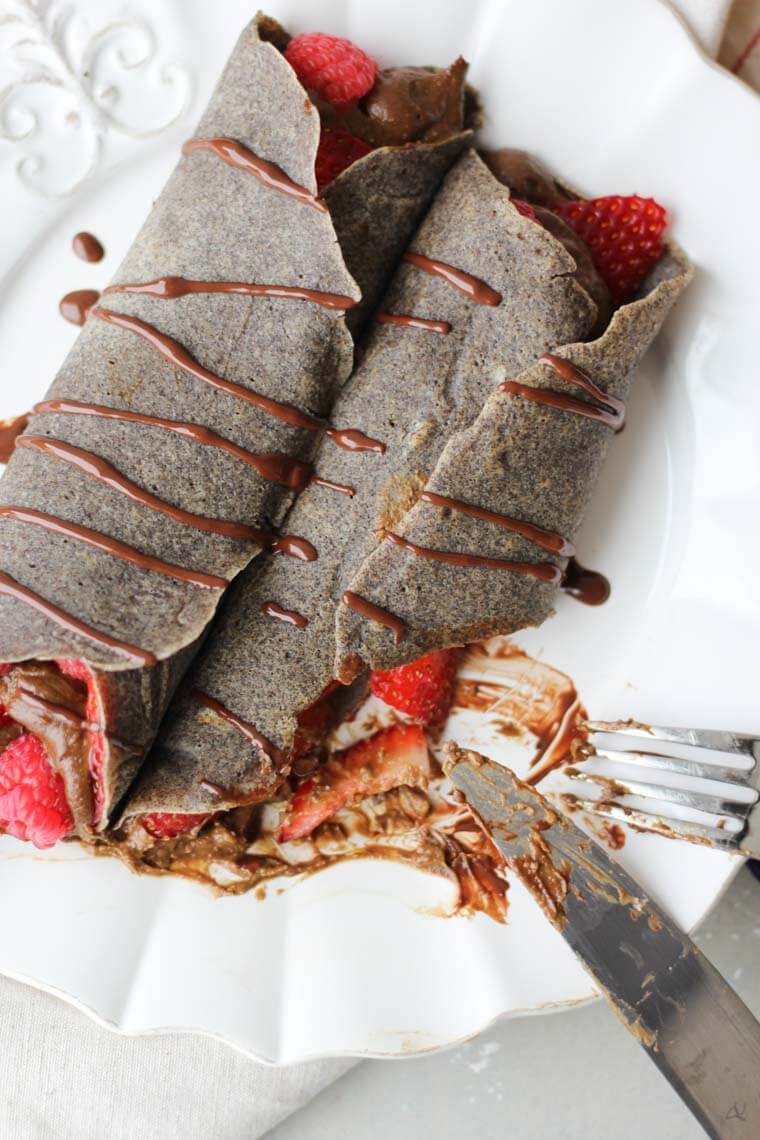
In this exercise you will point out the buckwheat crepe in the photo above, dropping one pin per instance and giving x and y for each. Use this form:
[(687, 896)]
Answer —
[(414, 390), (200, 508)]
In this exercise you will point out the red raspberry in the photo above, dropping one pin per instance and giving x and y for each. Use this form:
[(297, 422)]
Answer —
[(334, 68), (168, 825), (338, 149), (624, 235), (422, 689), (33, 803)]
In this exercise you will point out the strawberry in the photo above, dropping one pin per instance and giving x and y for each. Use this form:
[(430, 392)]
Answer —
[(168, 825), (33, 802), (79, 671), (624, 235), (397, 755), (338, 149), (524, 208), (337, 70), (423, 689)]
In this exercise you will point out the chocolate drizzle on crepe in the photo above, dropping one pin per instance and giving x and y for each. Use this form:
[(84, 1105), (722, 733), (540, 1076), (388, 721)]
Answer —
[(607, 410), (169, 288), (10, 588)]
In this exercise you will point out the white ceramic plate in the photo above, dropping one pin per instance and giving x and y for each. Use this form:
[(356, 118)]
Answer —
[(356, 960)]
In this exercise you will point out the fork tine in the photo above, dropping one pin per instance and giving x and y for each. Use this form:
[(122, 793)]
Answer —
[(720, 773), (700, 801), (737, 743), (662, 825)]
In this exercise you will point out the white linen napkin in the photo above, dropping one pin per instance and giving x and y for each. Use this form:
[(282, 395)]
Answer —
[(62, 1076)]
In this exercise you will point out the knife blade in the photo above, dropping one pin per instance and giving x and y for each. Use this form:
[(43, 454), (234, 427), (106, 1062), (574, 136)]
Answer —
[(687, 1018)]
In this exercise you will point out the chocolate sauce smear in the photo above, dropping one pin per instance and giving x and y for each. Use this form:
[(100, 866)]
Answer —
[(608, 410), (13, 589), (75, 307), (342, 488), (351, 439), (104, 472), (294, 547), (545, 571), (243, 727), (383, 617), (87, 247), (547, 539), (472, 287), (239, 156), (10, 430), (289, 617), (176, 354), (410, 322), (272, 466), (169, 288), (113, 546), (587, 586)]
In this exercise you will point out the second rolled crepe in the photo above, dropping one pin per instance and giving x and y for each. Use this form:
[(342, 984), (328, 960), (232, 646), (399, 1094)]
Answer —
[(483, 292), (182, 422)]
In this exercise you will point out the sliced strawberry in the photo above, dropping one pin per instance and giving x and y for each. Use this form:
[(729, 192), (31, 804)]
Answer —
[(624, 234), (395, 756), (524, 208), (168, 825), (79, 671), (423, 689)]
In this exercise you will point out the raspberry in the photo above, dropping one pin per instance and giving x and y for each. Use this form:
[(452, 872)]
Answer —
[(422, 689), (33, 803), (334, 68), (624, 235), (338, 149), (168, 825)]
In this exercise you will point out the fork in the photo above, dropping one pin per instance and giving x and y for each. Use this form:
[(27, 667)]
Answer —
[(735, 819)]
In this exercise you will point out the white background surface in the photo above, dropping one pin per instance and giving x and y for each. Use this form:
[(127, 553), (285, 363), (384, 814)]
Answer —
[(572, 1076)]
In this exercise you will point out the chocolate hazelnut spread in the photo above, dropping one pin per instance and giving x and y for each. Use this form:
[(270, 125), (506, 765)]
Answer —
[(87, 247), (408, 105), (525, 176), (414, 104), (75, 307), (52, 707)]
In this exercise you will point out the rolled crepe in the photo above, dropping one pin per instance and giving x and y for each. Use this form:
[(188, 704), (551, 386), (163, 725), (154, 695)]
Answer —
[(173, 439), (462, 565), (508, 296)]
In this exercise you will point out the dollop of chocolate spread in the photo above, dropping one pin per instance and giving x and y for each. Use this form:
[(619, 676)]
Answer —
[(25, 691), (413, 104), (525, 176), (408, 105)]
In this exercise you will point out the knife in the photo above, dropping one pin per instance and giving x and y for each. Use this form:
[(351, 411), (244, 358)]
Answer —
[(674, 1002)]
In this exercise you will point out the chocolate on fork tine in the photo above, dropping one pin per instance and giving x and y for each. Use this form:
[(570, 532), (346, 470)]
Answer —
[(737, 826)]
